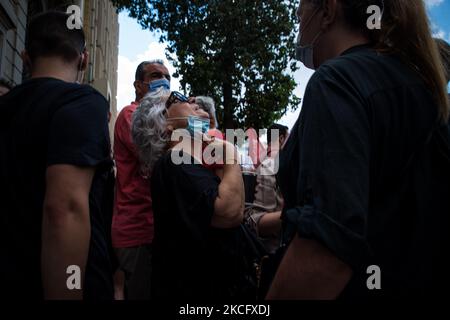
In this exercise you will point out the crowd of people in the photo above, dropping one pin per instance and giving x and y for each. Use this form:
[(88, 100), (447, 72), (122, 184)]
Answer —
[(362, 180)]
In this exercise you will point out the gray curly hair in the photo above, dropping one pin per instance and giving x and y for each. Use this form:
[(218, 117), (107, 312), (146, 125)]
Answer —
[(149, 129), (207, 104)]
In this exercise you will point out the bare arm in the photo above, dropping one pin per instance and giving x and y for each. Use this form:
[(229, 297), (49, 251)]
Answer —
[(309, 271), (65, 228), (229, 205), (269, 224)]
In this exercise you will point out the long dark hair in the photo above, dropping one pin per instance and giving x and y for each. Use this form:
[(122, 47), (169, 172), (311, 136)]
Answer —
[(405, 31), (444, 50)]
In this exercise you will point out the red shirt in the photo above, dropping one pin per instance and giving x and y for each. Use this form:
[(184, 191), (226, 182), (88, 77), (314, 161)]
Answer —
[(216, 133), (133, 214)]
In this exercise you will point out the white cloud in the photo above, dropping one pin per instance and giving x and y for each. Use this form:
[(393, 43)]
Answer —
[(127, 69), (433, 3), (439, 32), (301, 77), (155, 50)]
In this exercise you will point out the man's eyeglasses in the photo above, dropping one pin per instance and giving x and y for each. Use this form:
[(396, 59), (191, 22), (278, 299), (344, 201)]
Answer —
[(174, 98)]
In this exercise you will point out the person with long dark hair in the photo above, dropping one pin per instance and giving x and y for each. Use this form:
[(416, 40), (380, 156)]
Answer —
[(364, 174)]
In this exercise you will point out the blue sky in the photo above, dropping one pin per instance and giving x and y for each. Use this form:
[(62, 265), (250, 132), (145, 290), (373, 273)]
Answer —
[(439, 12), (136, 45)]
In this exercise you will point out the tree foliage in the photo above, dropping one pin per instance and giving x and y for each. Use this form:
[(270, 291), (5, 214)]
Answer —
[(237, 51)]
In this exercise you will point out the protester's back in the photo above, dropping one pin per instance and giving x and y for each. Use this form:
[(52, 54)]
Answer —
[(26, 136), (51, 124)]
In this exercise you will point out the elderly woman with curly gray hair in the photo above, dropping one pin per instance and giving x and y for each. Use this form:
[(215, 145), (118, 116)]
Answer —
[(193, 208)]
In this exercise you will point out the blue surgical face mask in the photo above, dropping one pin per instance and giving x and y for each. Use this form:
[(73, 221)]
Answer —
[(305, 54), (196, 126), (160, 83)]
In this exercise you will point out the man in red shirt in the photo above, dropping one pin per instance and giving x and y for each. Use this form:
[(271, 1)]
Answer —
[(132, 228)]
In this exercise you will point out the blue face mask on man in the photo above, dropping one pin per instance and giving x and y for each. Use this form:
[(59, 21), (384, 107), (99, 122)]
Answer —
[(160, 83)]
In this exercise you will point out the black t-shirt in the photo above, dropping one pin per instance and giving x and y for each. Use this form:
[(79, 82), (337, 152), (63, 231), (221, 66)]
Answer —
[(351, 181), (48, 122), (191, 259)]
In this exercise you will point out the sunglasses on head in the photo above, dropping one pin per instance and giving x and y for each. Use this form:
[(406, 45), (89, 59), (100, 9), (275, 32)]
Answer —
[(176, 97)]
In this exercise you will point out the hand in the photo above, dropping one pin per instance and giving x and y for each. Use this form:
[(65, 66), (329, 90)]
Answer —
[(191, 100), (119, 285), (221, 151)]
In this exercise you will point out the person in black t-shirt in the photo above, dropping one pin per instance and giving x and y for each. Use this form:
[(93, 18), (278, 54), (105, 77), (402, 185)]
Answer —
[(363, 174), (55, 170), (195, 211)]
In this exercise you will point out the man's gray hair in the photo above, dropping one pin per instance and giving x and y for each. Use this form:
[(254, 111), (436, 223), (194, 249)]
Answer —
[(207, 104), (149, 129), (140, 70)]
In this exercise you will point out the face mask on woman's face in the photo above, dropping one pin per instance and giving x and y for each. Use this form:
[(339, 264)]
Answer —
[(305, 54), (196, 126)]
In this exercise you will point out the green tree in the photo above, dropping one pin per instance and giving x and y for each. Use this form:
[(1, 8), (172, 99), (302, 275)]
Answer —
[(237, 51)]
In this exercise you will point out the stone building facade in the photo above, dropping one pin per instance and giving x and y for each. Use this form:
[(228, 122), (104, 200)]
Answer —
[(13, 22), (101, 25)]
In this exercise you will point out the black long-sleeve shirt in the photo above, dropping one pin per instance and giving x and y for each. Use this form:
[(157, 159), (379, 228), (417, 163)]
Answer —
[(358, 176)]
